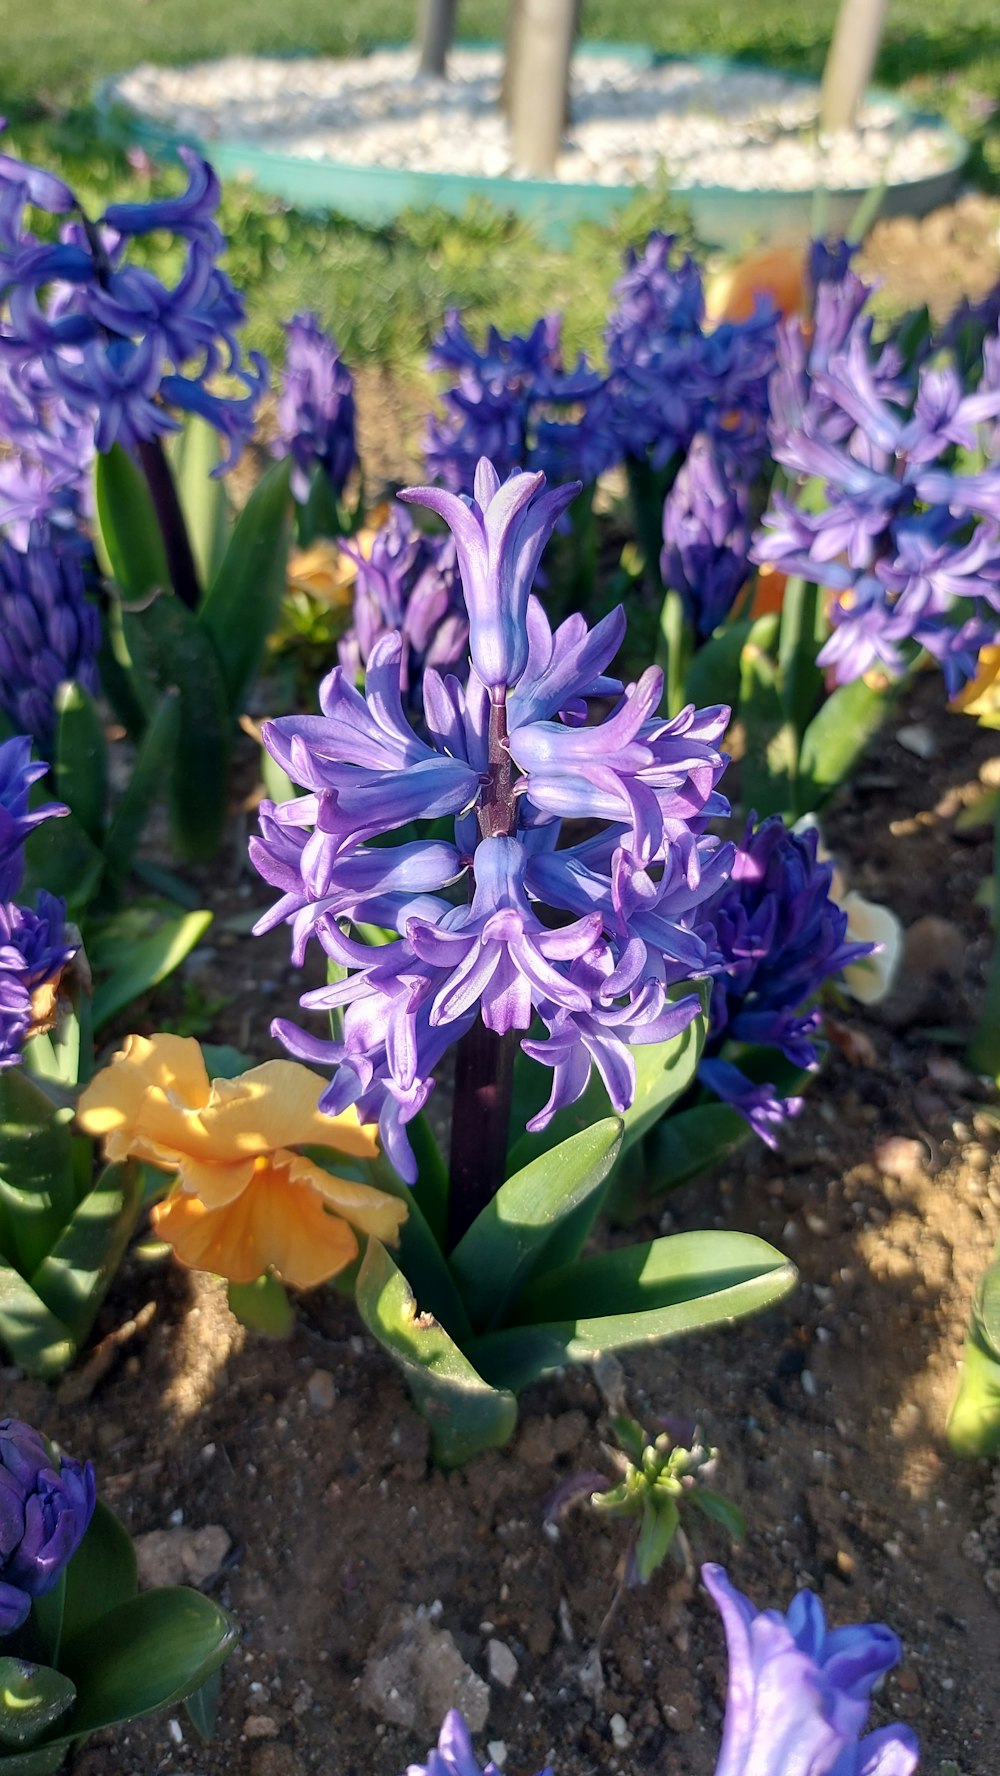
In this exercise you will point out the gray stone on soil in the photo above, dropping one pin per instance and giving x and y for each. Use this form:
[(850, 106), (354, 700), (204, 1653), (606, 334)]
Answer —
[(414, 1673)]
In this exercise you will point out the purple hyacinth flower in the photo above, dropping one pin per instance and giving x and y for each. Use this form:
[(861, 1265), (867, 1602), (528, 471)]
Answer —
[(499, 534), (799, 1692), (50, 630), (17, 773), (454, 1755), (410, 582), (45, 1511), (706, 538), (316, 416), (33, 952)]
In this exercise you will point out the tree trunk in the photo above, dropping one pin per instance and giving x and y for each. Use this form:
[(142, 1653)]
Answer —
[(435, 30), (851, 60), (536, 84)]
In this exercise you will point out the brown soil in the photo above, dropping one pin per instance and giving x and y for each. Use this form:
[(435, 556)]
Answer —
[(829, 1411)]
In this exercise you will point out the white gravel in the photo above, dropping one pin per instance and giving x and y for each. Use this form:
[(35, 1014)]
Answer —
[(744, 129)]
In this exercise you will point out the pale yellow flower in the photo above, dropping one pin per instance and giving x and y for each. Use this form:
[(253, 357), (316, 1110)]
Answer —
[(245, 1202), (981, 696)]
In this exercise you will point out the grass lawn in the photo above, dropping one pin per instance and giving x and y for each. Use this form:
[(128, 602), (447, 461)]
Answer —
[(384, 291)]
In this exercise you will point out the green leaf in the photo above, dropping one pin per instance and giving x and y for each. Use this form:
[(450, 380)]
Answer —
[(799, 641), (638, 1294), (150, 774), (172, 650), (37, 1341), (419, 1255), (194, 452), (507, 1242), (149, 1652), (61, 857), (74, 1277), (101, 1575), (987, 1308), (37, 1194), (32, 1698), (769, 766), (714, 674), (241, 606), (662, 1071), (46, 1620), (974, 1421), (465, 1414), (263, 1306), (223, 1061), (81, 765), (128, 534), (202, 1706), (660, 1522), (145, 962), (835, 739), (45, 1761), (720, 1510)]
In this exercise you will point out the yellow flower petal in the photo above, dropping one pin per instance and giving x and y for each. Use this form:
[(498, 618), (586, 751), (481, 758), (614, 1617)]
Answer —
[(274, 1225), (981, 696), (778, 272), (276, 1106), (111, 1105), (371, 1210)]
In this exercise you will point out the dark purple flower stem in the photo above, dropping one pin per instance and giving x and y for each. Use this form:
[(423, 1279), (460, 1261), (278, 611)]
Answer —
[(484, 1061), (170, 517)]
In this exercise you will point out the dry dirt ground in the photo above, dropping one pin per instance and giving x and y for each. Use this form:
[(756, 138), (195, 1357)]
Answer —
[(829, 1411)]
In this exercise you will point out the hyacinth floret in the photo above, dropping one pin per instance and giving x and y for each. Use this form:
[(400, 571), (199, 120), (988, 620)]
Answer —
[(408, 581), (672, 376), (106, 339), (316, 414), (50, 629), (780, 935), (18, 771), (34, 948), (501, 920), (906, 542), (45, 472), (706, 538), (454, 1754), (45, 1510), (516, 403)]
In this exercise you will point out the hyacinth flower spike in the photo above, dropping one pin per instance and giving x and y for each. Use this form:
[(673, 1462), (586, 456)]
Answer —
[(506, 924)]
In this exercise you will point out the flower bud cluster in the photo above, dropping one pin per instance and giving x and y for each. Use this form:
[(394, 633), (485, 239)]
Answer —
[(50, 630)]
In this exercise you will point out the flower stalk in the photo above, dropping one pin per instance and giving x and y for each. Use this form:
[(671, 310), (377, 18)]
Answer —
[(170, 518)]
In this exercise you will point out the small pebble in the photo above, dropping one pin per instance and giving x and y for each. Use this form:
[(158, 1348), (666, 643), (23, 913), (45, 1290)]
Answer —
[(321, 1390)]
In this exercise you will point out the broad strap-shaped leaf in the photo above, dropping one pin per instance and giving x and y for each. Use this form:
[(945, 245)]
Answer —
[(144, 962), (713, 675), (172, 650), (974, 1420), (36, 1340), (202, 1706), (770, 763), (37, 1191), (81, 765), (127, 534), (419, 1254), (660, 1522), (663, 1070), (101, 1575), (800, 637), (145, 1654), (74, 1276), (509, 1238), (60, 856), (32, 1699), (194, 452), (720, 1510), (263, 1306), (465, 1414), (241, 605), (835, 739), (642, 1294), (149, 778)]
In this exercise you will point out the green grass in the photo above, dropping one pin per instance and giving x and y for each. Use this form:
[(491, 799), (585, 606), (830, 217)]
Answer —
[(385, 291)]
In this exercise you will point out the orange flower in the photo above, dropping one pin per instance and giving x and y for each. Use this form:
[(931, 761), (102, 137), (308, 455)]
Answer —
[(778, 272), (245, 1201), (981, 696), (768, 592)]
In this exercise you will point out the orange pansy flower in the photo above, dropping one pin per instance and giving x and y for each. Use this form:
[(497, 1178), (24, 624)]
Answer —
[(778, 272), (245, 1201)]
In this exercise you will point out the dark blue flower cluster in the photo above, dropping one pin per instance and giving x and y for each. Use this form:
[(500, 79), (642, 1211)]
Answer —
[(86, 333), (780, 936), (50, 629), (45, 1511), (706, 537), (906, 536), (671, 377), (516, 403), (316, 421), (33, 944)]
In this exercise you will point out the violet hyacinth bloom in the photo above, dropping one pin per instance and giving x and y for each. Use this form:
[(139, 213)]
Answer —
[(516, 403), (45, 1511), (800, 1692), (316, 419), (798, 1699), (672, 377), (115, 345), (706, 538), (18, 771), (503, 920), (34, 950), (50, 630), (408, 581), (905, 541), (780, 936), (45, 472)]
